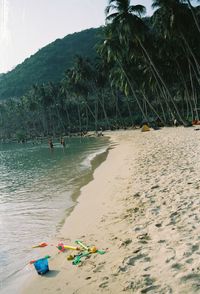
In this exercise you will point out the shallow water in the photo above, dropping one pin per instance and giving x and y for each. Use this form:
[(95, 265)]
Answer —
[(36, 189)]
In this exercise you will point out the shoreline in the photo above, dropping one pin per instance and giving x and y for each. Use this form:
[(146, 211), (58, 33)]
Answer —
[(26, 273), (142, 208), (84, 200)]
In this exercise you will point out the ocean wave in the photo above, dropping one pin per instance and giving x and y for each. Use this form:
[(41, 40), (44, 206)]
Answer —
[(87, 162)]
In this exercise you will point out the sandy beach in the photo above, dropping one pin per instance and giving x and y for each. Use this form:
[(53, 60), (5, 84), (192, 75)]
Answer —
[(142, 208)]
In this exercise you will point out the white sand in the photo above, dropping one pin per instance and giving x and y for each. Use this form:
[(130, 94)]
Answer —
[(143, 205)]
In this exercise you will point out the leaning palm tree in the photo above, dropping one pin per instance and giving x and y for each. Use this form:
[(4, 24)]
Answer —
[(113, 54), (77, 80), (172, 19), (125, 20), (120, 12)]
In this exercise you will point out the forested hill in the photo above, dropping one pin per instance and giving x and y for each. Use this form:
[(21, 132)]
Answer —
[(49, 63)]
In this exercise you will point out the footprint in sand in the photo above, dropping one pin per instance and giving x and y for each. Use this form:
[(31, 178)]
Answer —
[(143, 238), (193, 249), (105, 278), (177, 266), (151, 289), (147, 268), (190, 260), (194, 278), (126, 243), (103, 285), (162, 241), (172, 252), (146, 282), (131, 261), (99, 267)]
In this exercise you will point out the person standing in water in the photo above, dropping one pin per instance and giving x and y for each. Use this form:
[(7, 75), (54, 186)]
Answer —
[(62, 141), (50, 144)]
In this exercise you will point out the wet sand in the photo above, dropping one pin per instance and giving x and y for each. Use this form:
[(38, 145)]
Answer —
[(142, 207)]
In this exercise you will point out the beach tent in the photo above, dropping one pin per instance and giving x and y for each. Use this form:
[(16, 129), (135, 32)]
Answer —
[(145, 128)]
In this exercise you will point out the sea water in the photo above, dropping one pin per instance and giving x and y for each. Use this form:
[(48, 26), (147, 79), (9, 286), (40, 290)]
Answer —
[(38, 186)]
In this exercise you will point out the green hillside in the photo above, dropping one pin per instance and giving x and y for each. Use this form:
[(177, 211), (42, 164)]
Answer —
[(49, 63)]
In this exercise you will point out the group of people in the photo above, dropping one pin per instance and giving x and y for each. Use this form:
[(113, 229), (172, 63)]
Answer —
[(50, 142)]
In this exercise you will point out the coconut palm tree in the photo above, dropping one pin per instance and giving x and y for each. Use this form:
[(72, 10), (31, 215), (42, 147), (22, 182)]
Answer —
[(132, 36), (172, 19), (117, 56)]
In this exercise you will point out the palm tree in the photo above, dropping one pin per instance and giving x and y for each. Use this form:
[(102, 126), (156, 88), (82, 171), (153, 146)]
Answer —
[(132, 34), (172, 19), (112, 51)]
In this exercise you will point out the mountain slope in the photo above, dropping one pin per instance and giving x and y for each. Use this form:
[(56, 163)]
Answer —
[(49, 63)]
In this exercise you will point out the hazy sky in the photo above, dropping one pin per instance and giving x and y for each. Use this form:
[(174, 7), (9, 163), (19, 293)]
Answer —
[(28, 25)]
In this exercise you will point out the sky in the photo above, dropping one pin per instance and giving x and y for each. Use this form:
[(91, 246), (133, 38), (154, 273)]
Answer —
[(28, 25)]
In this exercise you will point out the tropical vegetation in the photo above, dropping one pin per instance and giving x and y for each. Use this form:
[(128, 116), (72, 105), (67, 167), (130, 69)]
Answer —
[(49, 63), (146, 69)]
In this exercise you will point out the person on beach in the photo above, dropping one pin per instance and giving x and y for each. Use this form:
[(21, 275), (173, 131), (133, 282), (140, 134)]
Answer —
[(175, 123), (50, 144), (100, 133)]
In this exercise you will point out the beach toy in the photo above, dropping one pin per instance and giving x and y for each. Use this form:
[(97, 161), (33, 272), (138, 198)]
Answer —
[(82, 245), (70, 257), (92, 249), (77, 258), (40, 245), (101, 252), (87, 251), (33, 261), (63, 247), (41, 266)]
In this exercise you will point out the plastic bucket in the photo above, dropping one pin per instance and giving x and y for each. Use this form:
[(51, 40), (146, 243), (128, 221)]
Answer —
[(41, 266)]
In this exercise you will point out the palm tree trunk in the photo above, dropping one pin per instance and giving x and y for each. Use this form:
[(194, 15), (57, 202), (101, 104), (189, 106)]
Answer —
[(186, 94), (96, 113), (164, 96), (192, 87), (133, 91), (191, 52), (79, 117), (117, 110), (101, 101), (68, 120), (161, 105), (162, 81), (152, 108)]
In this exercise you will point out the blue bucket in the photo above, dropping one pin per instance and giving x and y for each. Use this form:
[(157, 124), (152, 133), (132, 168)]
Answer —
[(41, 266)]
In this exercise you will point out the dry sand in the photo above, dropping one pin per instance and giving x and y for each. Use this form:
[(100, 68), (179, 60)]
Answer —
[(143, 207)]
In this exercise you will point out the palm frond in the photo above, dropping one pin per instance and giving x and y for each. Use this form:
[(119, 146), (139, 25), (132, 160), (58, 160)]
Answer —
[(110, 2), (155, 4), (109, 8), (138, 9), (111, 17)]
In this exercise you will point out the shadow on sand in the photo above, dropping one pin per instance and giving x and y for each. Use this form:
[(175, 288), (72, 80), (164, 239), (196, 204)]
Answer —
[(51, 274)]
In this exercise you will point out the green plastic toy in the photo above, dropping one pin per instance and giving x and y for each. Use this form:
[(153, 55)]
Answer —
[(87, 251), (78, 257), (82, 245), (92, 249)]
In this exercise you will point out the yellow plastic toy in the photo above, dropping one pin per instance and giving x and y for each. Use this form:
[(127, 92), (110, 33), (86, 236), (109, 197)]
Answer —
[(63, 247), (93, 249)]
